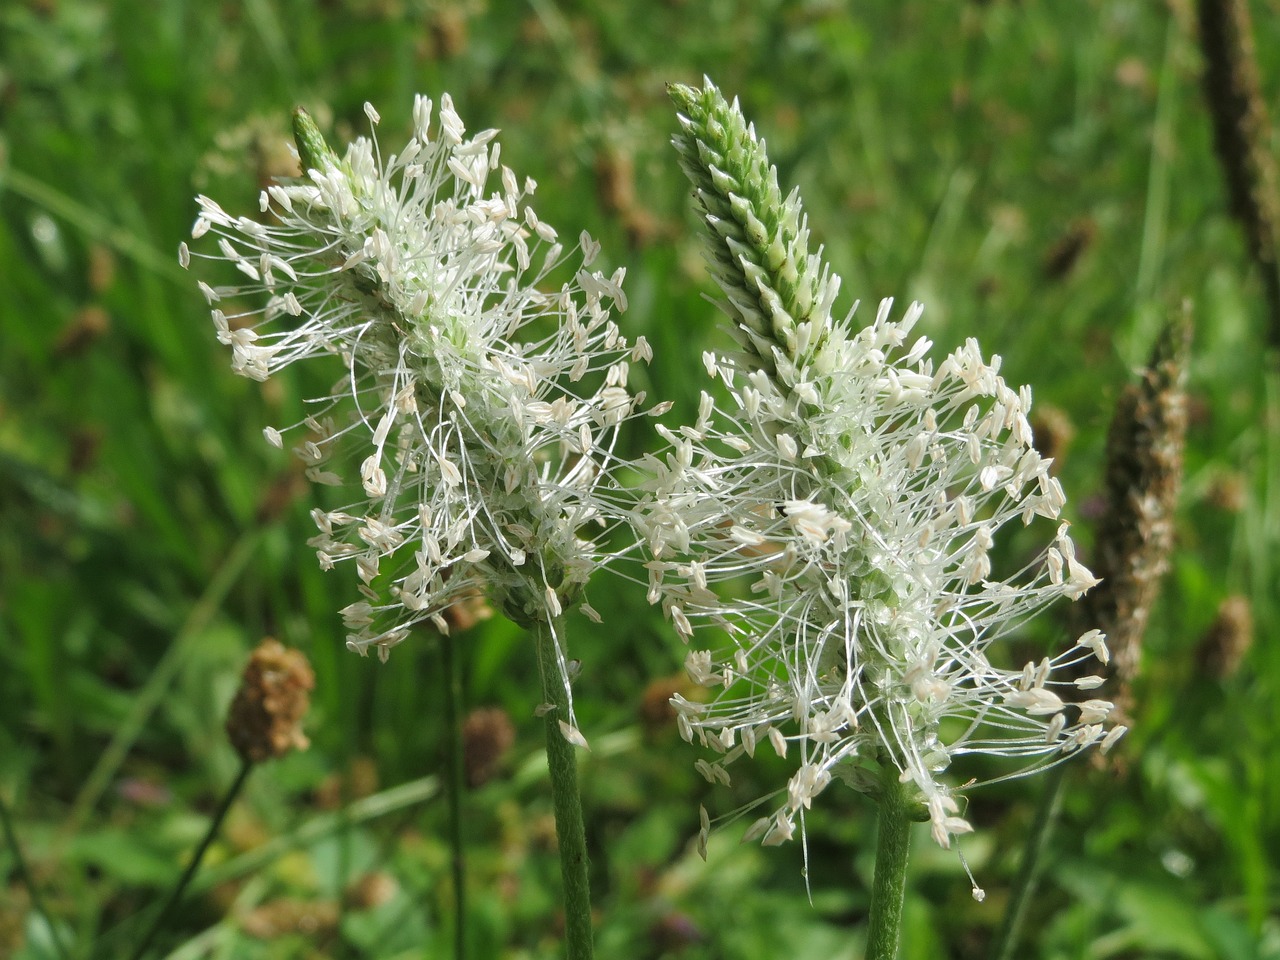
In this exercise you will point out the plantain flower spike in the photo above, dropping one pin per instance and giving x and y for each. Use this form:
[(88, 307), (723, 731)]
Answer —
[(835, 515), (480, 378)]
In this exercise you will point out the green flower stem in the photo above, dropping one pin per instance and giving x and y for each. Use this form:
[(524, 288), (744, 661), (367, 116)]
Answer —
[(28, 881), (889, 884), (177, 654), (562, 765), (453, 789), (1029, 874), (175, 896)]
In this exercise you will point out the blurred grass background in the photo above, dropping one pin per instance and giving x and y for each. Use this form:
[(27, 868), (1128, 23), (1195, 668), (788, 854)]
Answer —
[(1041, 175)]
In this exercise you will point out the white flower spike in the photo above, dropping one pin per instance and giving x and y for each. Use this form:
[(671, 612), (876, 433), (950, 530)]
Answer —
[(836, 517), (477, 401)]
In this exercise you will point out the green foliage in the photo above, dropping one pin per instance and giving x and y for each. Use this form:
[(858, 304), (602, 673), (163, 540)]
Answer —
[(1041, 175)]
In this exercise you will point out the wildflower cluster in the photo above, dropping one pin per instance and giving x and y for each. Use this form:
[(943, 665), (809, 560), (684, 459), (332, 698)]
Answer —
[(478, 402), (836, 518)]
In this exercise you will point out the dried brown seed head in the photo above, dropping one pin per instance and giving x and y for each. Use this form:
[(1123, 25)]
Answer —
[(1224, 645), (1143, 476), (656, 712), (467, 612), (266, 715), (487, 735), (1053, 431)]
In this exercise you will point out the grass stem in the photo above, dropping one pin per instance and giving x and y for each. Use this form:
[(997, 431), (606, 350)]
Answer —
[(1029, 873), (158, 683)]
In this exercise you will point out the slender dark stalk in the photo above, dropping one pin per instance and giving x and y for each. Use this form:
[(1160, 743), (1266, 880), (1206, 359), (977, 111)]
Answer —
[(147, 700), (562, 766), (1024, 887), (28, 881), (452, 674), (1242, 136), (888, 887), (215, 824), (342, 863)]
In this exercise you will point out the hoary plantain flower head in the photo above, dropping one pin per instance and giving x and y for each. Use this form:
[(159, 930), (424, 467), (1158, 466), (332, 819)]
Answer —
[(835, 516), (477, 399)]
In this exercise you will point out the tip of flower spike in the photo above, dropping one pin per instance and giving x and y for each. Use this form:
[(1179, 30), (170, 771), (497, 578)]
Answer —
[(687, 98), (314, 152), (681, 94)]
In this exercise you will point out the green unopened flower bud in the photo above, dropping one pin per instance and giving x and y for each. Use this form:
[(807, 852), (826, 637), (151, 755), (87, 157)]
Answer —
[(758, 241), (312, 148)]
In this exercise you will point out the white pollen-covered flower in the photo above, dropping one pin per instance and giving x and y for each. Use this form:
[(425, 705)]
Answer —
[(840, 510), (477, 399)]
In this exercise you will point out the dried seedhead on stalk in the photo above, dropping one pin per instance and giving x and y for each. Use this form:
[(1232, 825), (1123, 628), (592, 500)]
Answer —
[(1225, 644), (265, 719), (1242, 135), (1143, 476), (467, 611), (487, 738)]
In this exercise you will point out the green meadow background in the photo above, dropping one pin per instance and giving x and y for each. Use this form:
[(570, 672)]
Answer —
[(1041, 175)]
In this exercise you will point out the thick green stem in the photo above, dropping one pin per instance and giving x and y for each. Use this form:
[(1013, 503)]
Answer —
[(562, 765), (1029, 874), (453, 789), (888, 887), (175, 896)]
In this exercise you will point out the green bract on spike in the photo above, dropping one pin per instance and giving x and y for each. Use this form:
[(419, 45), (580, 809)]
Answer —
[(759, 241), (312, 149)]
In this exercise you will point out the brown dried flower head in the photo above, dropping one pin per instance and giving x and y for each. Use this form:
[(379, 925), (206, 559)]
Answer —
[(656, 711), (265, 719), (291, 915), (1223, 647), (467, 611), (1143, 477), (1053, 431), (487, 735)]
